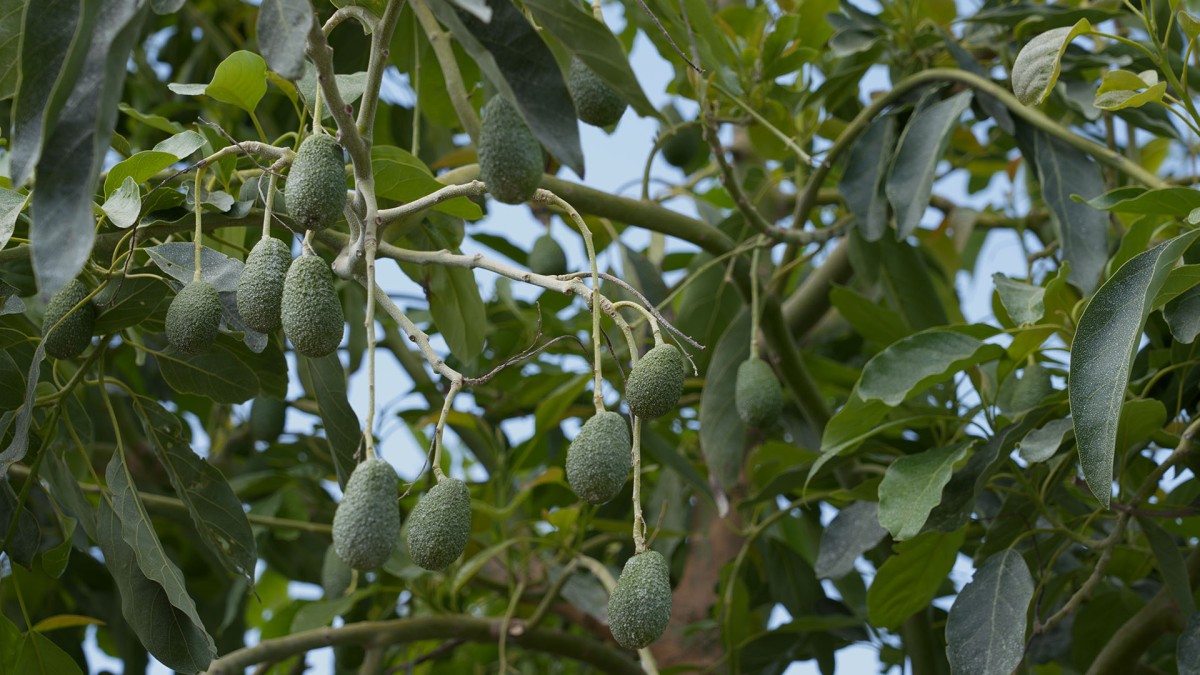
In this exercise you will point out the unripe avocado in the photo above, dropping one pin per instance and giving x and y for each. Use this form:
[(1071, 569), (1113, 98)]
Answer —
[(599, 459), (510, 157), (194, 317), (440, 525), (74, 334), (595, 102), (547, 257), (316, 185), (639, 608), (311, 313), (335, 575), (260, 288), (759, 397), (656, 382), (683, 146), (366, 524), (267, 418)]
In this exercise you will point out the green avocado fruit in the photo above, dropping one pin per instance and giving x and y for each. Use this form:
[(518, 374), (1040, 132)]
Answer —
[(194, 318), (366, 524), (656, 382), (510, 157), (260, 287), (440, 525), (596, 103), (310, 312), (639, 607), (316, 184), (74, 334), (759, 397), (547, 257), (599, 459)]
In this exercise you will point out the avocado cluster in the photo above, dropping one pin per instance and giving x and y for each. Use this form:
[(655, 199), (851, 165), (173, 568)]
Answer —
[(74, 333), (547, 257), (440, 525), (311, 313), (510, 157), (260, 287), (194, 318), (656, 382), (336, 576), (599, 459), (366, 524), (316, 184), (596, 103), (758, 397), (639, 607)]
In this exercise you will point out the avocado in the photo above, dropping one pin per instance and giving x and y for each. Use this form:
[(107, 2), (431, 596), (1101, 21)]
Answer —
[(366, 524), (74, 334), (193, 318), (510, 157), (639, 608), (311, 313), (759, 397), (599, 459), (316, 184), (260, 287), (655, 382), (440, 525), (595, 102), (547, 257), (682, 148), (268, 417)]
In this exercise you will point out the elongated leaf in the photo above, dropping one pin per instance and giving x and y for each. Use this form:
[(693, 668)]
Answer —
[(24, 542), (1183, 315), (217, 374), (1102, 353), (852, 532), (11, 14), (1173, 201), (342, 430), (1188, 649), (141, 166), (19, 444), (985, 632), (283, 27), (402, 177), (1040, 445), (63, 226), (476, 562), (920, 360), (595, 45), (11, 205), (1121, 99), (909, 580), (1037, 65), (523, 70), (215, 509), (458, 310), (912, 487), (1170, 563), (722, 434), (922, 144), (862, 184)]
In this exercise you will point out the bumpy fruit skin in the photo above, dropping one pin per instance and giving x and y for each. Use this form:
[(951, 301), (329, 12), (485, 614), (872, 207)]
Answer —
[(311, 314), (598, 460), (639, 608), (316, 185), (547, 257), (440, 525), (267, 418), (759, 396), (366, 524), (335, 575), (260, 288), (595, 102), (194, 317), (656, 382), (510, 157), (75, 333)]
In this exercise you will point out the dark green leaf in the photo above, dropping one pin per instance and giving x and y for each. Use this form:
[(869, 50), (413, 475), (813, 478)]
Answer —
[(240, 80), (1037, 66), (1170, 563), (912, 487), (457, 310), (19, 444), (985, 632), (135, 301), (1040, 445), (40, 656), (920, 360), (217, 374), (862, 183), (22, 544), (1173, 201), (283, 27), (11, 13), (921, 146), (1188, 649), (852, 532), (1105, 344), (910, 579), (342, 430), (1183, 315), (402, 177), (722, 435)]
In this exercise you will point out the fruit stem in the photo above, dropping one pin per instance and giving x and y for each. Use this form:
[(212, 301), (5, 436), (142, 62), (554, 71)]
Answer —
[(199, 224), (443, 50), (639, 523), (268, 206), (306, 245), (754, 318), (658, 338), (455, 387)]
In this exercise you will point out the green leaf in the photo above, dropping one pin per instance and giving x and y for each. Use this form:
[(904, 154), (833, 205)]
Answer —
[(149, 581), (40, 656), (10, 645), (595, 45), (1124, 98), (63, 231), (852, 532), (327, 380), (722, 434), (240, 80), (1103, 350), (1023, 302), (124, 204), (1189, 24), (351, 85), (921, 146), (1173, 201), (1187, 650), (862, 185), (177, 258), (458, 310), (1170, 563), (1037, 65), (912, 487), (19, 444), (1040, 445), (870, 319), (909, 580), (217, 374), (11, 13), (920, 360), (514, 59), (11, 205), (283, 27), (476, 562), (24, 543), (985, 632), (60, 621), (1182, 314), (403, 177), (136, 300), (144, 165)]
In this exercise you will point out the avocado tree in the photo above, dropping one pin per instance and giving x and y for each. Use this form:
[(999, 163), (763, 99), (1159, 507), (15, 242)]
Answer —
[(893, 343)]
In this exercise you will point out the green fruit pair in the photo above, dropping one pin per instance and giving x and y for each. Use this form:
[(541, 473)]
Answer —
[(759, 398), (596, 103), (440, 525), (74, 334), (260, 287), (510, 157), (194, 318), (547, 257), (311, 313), (316, 184), (366, 524), (639, 607), (599, 459), (656, 382)]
